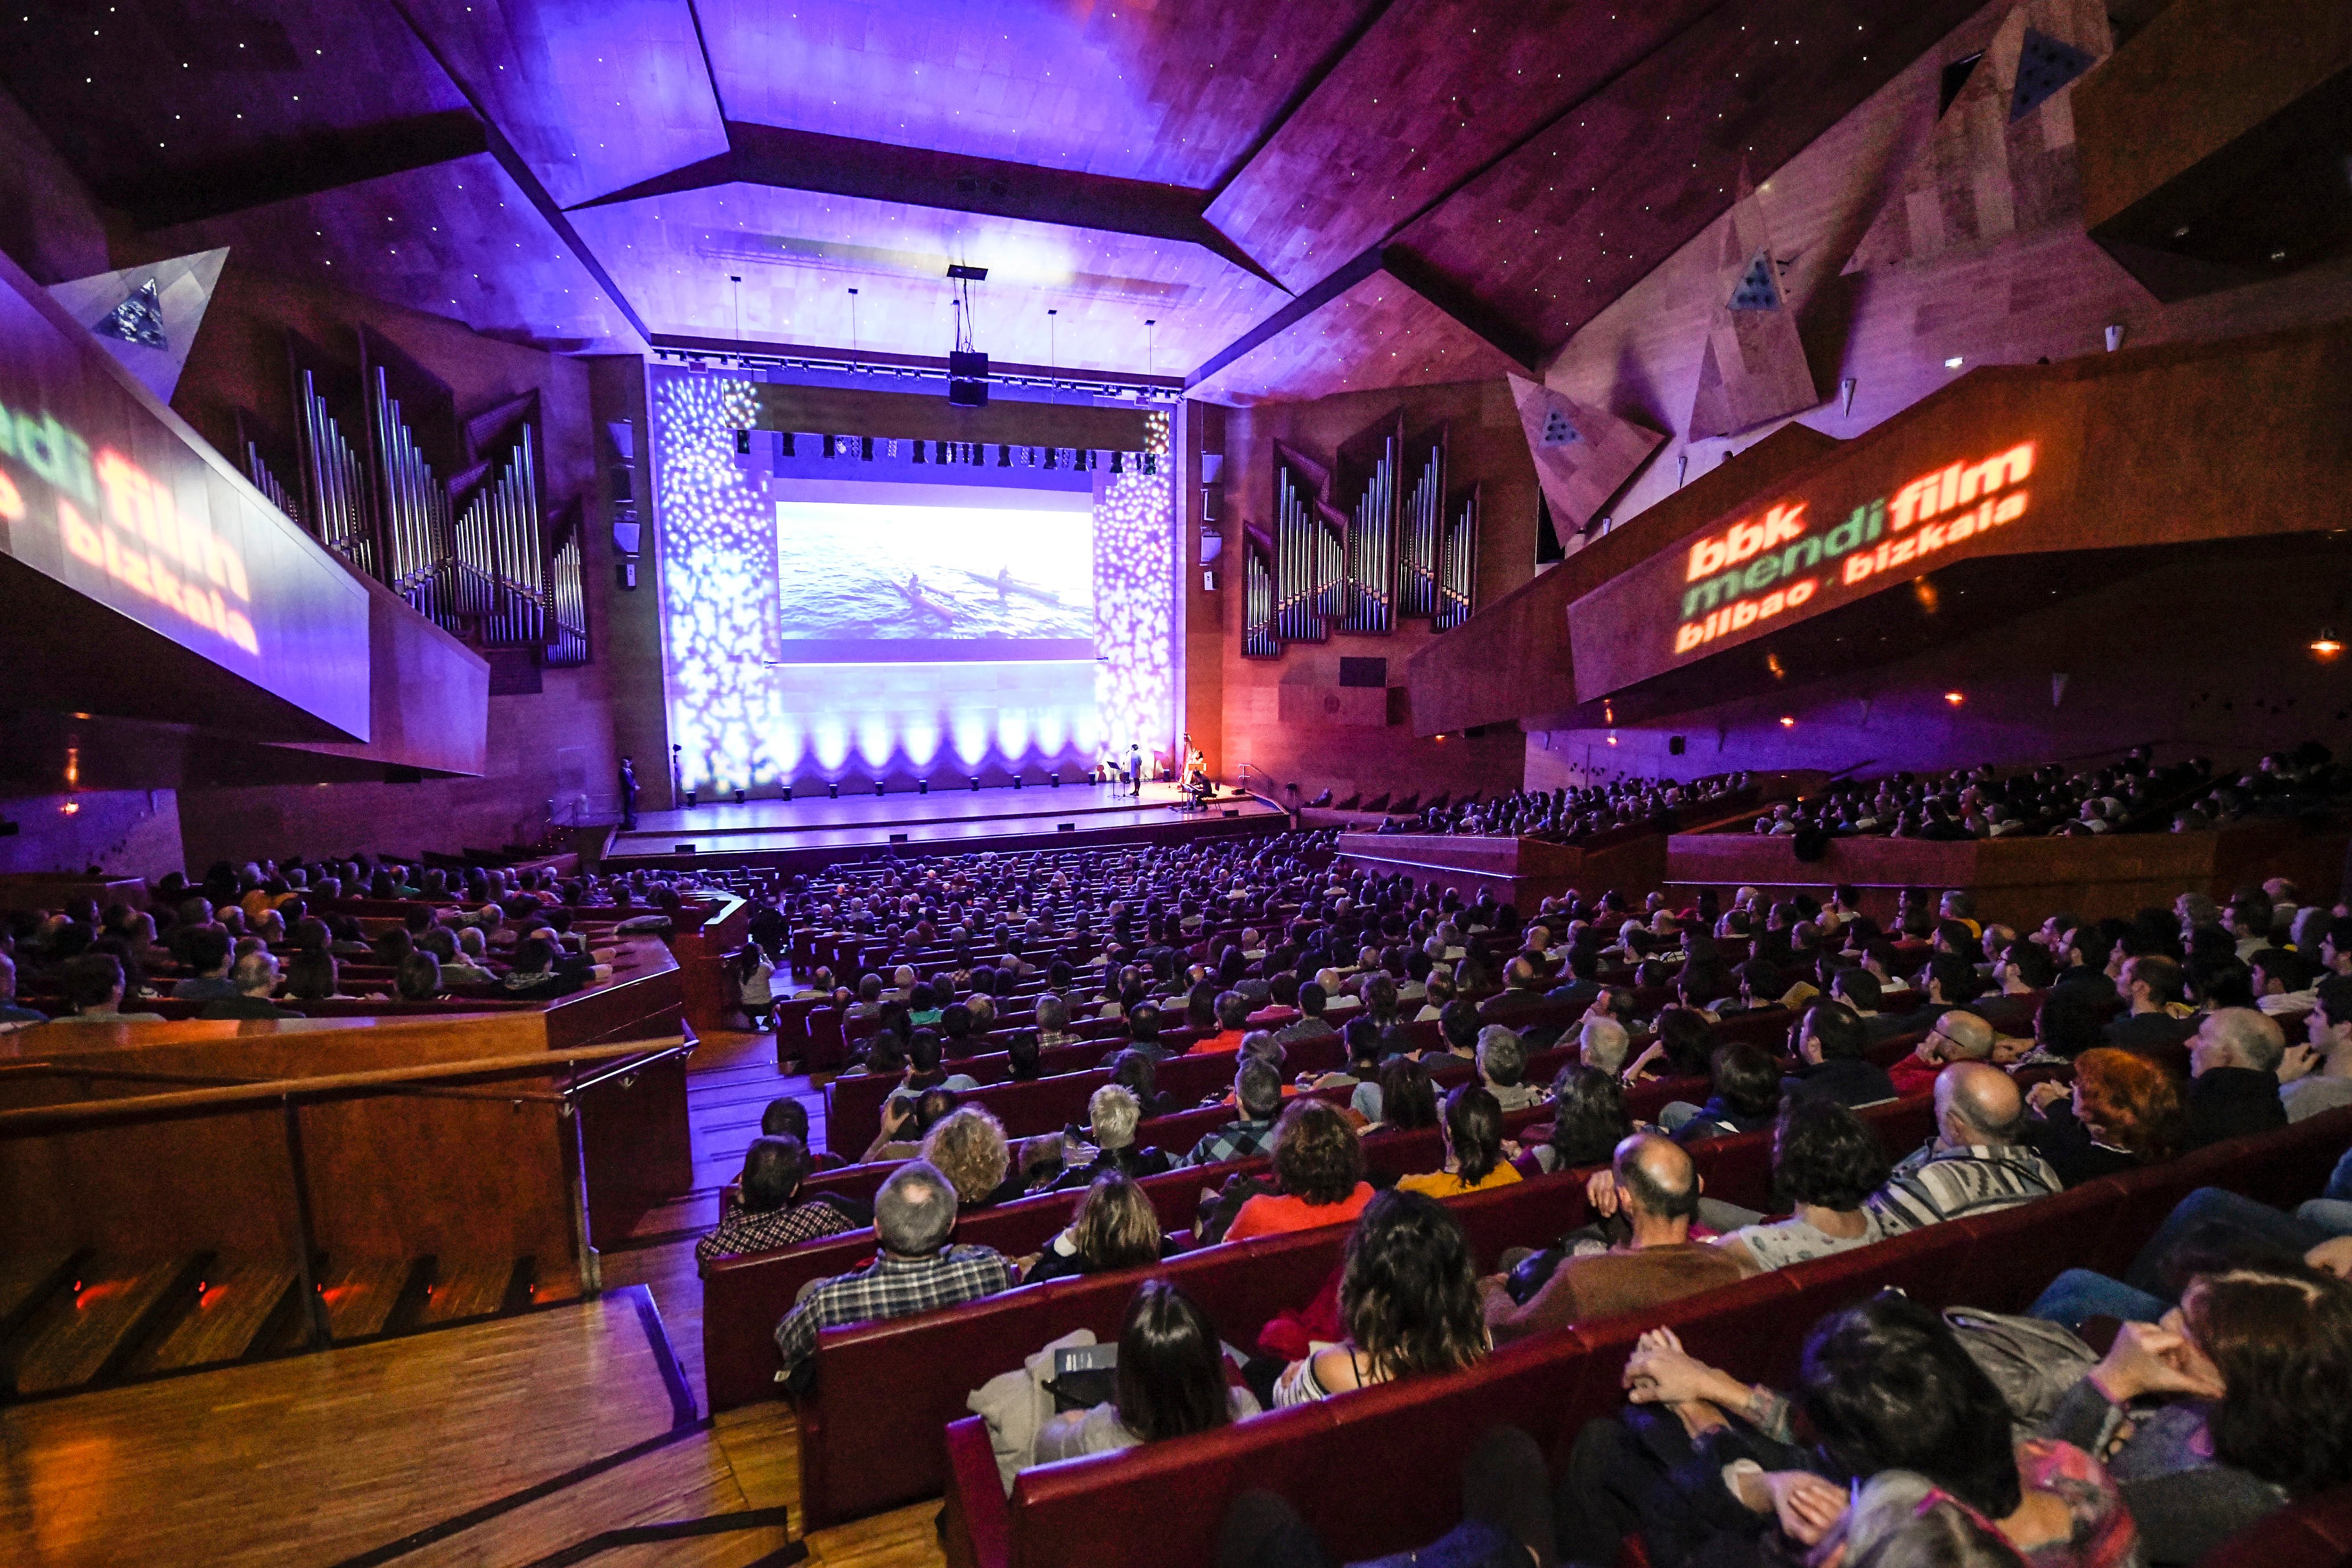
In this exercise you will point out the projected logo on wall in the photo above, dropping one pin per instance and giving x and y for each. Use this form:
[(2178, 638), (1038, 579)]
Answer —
[(109, 515), (1750, 571)]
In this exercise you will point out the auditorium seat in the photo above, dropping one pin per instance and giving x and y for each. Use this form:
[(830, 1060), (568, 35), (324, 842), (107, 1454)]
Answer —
[(1558, 1380)]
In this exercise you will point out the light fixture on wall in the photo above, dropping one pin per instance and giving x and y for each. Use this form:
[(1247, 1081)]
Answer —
[(1788, 721), (2326, 645)]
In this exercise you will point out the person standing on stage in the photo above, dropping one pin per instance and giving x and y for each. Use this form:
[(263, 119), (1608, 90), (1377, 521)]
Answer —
[(1134, 769), (628, 795)]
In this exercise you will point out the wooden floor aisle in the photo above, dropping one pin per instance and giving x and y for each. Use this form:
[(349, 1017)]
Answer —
[(499, 1444)]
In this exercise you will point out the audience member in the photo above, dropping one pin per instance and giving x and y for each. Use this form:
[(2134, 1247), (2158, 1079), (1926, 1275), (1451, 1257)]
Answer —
[(767, 1219), (1115, 1227), (1169, 1382), (1975, 1164), (1825, 1160), (1318, 1168), (1408, 1302), (2233, 1085), (1654, 1187), (914, 1270), (1474, 1159), (2122, 1111), (1830, 1042)]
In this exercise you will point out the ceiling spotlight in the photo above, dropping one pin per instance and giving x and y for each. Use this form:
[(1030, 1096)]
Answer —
[(2326, 645), (1954, 362), (1955, 697)]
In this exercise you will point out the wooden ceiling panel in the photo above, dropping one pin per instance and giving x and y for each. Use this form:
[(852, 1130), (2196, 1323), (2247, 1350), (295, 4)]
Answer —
[(1435, 91), (138, 94), (799, 253), (595, 95), (457, 239), (1378, 332), (1550, 235), (1176, 92)]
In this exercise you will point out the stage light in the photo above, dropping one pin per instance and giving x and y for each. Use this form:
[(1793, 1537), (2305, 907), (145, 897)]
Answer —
[(865, 448), (788, 791), (743, 443), (690, 799), (919, 450), (1052, 457), (1150, 463), (1054, 780), (975, 784), (923, 786), (834, 789), (2324, 645), (1003, 455), (1115, 465), (939, 451), (1612, 739), (877, 789), (1956, 697), (738, 797), (1016, 780), (1787, 722), (786, 446)]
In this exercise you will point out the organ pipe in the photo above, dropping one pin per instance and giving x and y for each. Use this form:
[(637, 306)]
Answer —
[(1423, 522), (417, 527), (1369, 466), (340, 510), (500, 560), (1259, 639), (567, 601), (1457, 565)]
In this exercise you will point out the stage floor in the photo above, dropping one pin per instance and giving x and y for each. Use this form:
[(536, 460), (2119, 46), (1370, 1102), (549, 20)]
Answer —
[(943, 818)]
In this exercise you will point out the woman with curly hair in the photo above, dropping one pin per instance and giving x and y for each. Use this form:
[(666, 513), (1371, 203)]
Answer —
[(967, 1146), (1825, 1160), (1408, 1299), (2123, 1112), (1588, 1121), (1319, 1163)]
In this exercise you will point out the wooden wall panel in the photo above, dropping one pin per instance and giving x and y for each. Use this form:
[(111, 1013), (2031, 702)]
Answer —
[(1485, 446), (2020, 880), (1583, 454)]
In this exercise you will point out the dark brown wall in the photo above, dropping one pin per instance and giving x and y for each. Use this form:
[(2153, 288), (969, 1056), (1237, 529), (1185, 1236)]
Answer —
[(1486, 446)]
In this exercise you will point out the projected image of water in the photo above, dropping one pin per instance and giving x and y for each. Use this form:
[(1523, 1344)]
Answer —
[(897, 572)]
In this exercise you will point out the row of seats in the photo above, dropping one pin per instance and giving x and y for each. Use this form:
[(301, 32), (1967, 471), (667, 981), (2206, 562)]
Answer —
[(743, 1298), (855, 1456), (1550, 1385)]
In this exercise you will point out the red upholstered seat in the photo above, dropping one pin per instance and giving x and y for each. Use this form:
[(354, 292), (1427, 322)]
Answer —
[(2314, 1533)]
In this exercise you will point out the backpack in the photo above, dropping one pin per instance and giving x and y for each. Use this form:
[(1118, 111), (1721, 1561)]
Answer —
[(2032, 1362)]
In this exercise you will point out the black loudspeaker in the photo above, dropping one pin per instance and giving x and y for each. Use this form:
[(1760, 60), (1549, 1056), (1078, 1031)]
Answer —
[(877, 788), (1016, 780), (1676, 745), (738, 797), (689, 799), (788, 791), (967, 380), (975, 784), (834, 790), (743, 443), (1364, 672), (923, 786)]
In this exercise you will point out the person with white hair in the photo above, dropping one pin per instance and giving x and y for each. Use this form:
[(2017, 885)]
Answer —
[(1603, 1044), (1502, 1066)]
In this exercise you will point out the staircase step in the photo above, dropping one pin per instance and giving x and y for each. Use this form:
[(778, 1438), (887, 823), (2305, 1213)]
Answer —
[(83, 1336), (467, 1288), (27, 1280), (238, 1302), (360, 1295)]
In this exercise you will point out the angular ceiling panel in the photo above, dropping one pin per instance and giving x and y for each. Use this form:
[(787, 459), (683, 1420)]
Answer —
[(1576, 215), (1175, 91), (147, 316), (595, 95), (139, 95), (457, 239), (1378, 332), (1434, 92), (799, 253)]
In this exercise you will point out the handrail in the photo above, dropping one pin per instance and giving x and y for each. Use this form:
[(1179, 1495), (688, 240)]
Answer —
[(215, 1080), (682, 1049), (31, 1119)]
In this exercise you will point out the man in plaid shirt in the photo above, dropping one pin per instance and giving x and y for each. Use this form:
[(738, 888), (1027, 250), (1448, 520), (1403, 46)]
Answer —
[(773, 1169), (914, 1270), (1257, 1089)]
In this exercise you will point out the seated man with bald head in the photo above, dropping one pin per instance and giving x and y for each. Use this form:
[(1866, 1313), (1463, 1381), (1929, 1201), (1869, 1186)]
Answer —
[(1975, 1164), (2234, 1088), (1959, 1036), (1653, 1185)]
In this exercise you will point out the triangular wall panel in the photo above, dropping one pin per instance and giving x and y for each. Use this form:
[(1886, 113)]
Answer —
[(2001, 159), (1582, 454), (1753, 368), (114, 307)]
